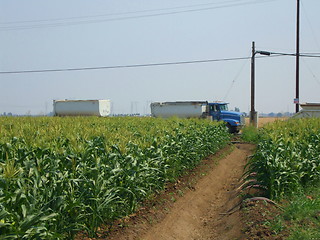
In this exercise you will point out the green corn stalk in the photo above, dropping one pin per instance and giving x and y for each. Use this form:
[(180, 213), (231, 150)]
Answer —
[(287, 157), (59, 176)]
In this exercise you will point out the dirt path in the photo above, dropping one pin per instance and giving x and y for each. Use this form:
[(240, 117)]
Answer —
[(192, 208), (197, 215)]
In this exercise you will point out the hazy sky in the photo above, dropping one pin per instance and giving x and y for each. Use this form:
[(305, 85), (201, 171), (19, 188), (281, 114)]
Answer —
[(38, 34)]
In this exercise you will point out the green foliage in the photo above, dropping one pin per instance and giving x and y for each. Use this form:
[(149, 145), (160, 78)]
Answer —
[(305, 205), (62, 175), (287, 157), (301, 215), (303, 234), (250, 134)]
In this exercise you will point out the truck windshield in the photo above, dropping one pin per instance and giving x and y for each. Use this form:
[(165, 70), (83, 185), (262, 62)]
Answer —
[(223, 107)]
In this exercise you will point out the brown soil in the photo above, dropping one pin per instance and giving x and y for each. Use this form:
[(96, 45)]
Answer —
[(260, 220), (265, 120), (198, 215), (203, 204), (199, 206)]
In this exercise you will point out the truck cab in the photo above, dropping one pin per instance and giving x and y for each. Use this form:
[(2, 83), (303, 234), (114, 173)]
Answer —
[(219, 112)]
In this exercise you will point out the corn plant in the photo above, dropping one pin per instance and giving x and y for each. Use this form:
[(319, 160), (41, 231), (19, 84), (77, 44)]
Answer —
[(59, 176), (287, 157)]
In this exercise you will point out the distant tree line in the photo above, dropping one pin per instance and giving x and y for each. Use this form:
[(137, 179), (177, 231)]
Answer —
[(279, 114), (272, 114)]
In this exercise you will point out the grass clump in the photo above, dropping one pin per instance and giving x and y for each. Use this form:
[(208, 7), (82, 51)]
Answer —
[(300, 216), (303, 215), (250, 134)]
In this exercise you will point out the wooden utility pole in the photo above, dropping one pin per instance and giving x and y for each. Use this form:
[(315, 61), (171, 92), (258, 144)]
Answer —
[(297, 100), (253, 113)]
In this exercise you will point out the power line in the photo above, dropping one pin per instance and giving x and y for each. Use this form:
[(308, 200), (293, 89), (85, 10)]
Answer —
[(312, 73), (119, 14), (234, 80), (124, 66), (21, 27), (277, 54), (310, 25), (152, 64), (311, 55)]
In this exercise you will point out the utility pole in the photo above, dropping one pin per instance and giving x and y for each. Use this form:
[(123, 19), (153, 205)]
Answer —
[(253, 113), (297, 100)]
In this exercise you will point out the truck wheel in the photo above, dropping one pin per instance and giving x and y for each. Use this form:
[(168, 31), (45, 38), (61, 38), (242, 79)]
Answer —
[(229, 127), (232, 129), (236, 130)]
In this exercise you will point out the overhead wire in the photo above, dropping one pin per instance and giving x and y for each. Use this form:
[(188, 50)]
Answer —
[(312, 73), (58, 24), (124, 66), (234, 80), (310, 25), (120, 13), (310, 55), (149, 64)]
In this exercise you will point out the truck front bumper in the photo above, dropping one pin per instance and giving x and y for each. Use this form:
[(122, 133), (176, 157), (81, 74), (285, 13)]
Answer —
[(237, 128)]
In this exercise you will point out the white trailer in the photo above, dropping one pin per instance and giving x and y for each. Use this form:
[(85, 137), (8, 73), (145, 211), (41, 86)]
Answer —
[(308, 110), (99, 108), (217, 111), (179, 109)]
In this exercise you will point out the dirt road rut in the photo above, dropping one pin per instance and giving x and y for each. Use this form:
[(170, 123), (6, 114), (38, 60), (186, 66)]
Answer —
[(197, 215), (195, 211)]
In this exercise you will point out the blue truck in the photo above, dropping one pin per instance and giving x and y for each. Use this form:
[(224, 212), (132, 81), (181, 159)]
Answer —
[(200, 109)]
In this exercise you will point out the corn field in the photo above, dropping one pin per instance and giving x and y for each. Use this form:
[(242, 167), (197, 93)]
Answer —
[(287, 158), (59, 176)]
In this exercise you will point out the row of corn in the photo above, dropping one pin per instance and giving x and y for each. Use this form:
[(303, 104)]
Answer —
[(287, 158), (59, 176)]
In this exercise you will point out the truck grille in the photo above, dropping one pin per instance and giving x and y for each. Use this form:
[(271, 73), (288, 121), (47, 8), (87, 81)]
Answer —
[(242, 120)]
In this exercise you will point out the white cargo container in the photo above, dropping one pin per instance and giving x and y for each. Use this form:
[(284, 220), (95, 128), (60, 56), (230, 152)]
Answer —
[(217, 111), (179, 109), (308, 110), (81, 108)]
